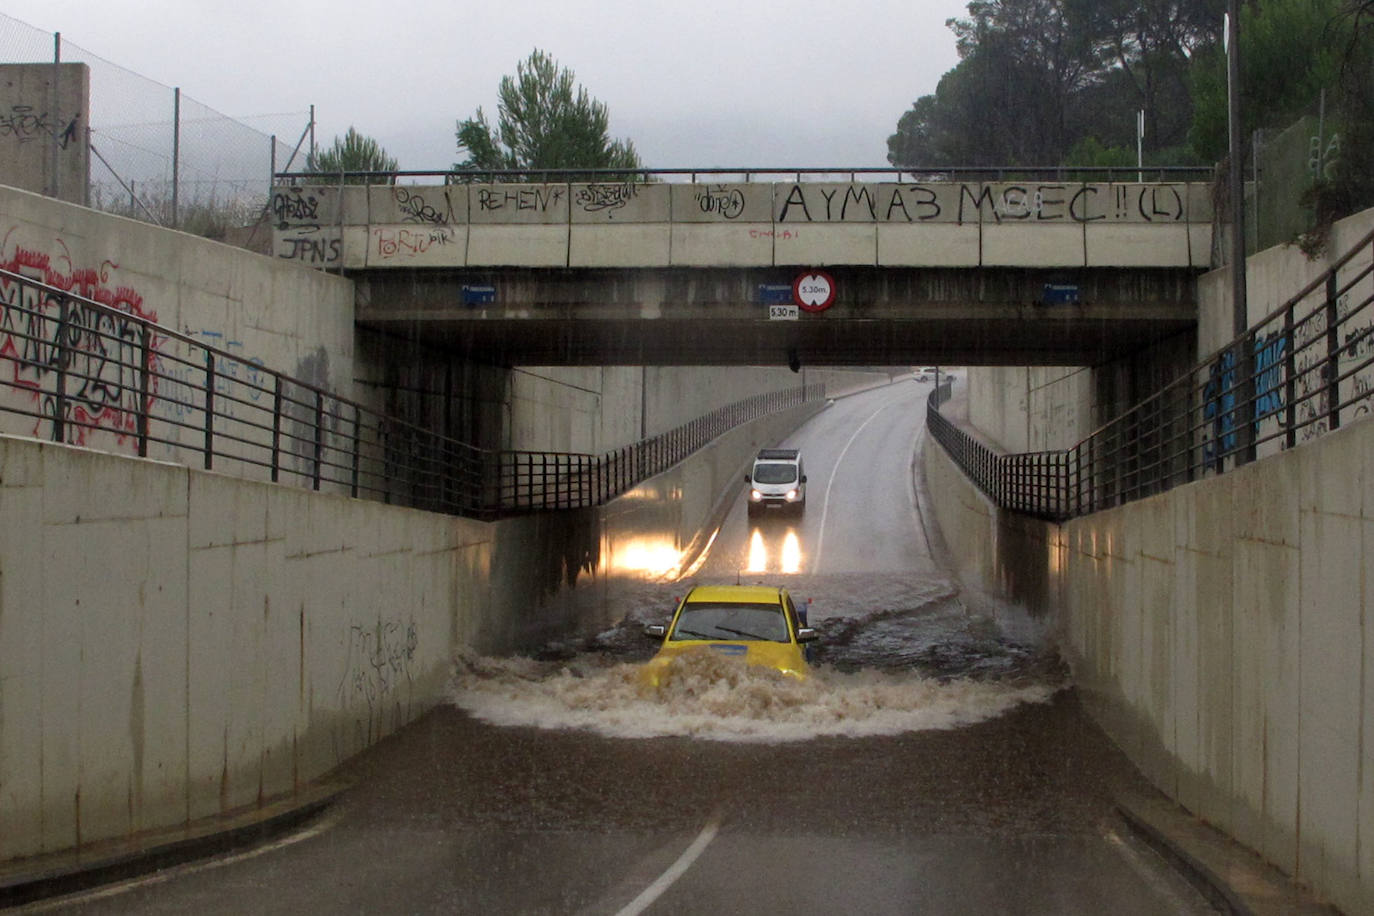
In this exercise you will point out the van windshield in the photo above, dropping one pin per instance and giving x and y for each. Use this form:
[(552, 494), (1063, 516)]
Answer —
[(775, 473)]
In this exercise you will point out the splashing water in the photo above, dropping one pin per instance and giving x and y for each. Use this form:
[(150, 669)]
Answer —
[(710, 696)]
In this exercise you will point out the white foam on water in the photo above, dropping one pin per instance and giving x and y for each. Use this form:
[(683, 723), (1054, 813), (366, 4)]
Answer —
[(716, 697)]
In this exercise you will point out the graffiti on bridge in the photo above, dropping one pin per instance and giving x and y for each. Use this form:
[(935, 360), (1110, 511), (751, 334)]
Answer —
[(1038, 203)]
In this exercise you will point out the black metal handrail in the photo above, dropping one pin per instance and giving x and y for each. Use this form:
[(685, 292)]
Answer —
[(750, 173), (94, 374), (1305, 369)]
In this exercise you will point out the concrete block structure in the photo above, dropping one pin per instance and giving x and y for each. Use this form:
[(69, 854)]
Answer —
[(45, 109)]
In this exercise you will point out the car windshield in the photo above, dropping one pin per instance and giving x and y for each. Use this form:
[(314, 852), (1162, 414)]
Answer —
[(709, 620), (775, 473)]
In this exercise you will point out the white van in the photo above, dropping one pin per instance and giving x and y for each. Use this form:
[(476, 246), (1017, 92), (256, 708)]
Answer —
[(777, 481)]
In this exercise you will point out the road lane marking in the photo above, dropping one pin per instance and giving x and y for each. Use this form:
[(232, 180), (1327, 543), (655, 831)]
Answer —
[(186, 868), (675, 871), (825, 500)]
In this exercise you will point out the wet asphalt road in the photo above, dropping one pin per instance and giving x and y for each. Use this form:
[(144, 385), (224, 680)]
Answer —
[(1010, 815)]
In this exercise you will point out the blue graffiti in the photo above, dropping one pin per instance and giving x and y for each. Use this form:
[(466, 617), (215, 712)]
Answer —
[(1222, 408), (1269, 375)]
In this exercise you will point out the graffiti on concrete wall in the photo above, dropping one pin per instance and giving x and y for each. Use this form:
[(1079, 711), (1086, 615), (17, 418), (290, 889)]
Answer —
[(24, 124), (302, 235), (596, 198), (721, 200), (437, 211), (378, 663), (395, 243), (1299, 376), (45, 335), (534, 199), (964, 202)]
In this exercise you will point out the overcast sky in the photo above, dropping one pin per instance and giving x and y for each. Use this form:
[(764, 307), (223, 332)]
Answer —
[(705, 83)]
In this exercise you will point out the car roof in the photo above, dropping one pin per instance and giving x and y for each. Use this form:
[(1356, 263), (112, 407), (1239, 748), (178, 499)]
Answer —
[(778, 454), (742, 594)]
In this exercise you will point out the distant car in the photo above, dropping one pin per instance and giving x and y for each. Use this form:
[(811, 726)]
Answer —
[(777, 481), (757, 623)]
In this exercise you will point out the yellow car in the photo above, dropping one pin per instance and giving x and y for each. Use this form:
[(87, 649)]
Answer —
[(758, 623)]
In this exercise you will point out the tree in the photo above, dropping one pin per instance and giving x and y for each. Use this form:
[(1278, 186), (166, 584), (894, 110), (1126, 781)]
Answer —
[(353, 153), (1036, 78), (544, 121)]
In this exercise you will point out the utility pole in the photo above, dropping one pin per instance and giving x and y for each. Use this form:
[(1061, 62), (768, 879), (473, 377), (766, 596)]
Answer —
[(1242, 416)]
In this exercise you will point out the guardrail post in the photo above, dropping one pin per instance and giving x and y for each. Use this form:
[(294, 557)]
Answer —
[(1290, 385), (357, 449), (276, 430), (1333, 355), (319, 437), (144, 368), (209, 408), (59, 414)]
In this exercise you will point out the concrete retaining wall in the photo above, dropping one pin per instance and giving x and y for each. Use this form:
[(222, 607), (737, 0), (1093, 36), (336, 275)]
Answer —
[(594, 410), (1217, 631), (1031, 409), (176, 643), (47, 116), (259, 309)]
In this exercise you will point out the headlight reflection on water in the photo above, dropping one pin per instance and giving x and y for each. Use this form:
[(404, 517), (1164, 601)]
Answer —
[(788, 553)]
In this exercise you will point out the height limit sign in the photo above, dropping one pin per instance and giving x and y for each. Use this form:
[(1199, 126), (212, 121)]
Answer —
[(814, 291)]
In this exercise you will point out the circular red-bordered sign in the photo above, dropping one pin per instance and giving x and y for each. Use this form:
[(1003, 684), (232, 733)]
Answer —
[(814, 291)]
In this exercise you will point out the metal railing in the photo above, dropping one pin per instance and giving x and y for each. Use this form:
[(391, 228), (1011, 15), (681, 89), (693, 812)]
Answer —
[(1304, 370), (555, 480), (748, 174), (101, 375)]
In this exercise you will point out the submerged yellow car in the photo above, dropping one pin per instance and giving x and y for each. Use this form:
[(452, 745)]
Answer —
[(758, 623)]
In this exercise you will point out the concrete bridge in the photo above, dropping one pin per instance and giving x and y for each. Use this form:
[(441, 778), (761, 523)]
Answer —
[(181, 644), (764, 273)]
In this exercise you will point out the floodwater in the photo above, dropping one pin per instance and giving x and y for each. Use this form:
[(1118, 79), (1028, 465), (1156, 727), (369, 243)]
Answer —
[(938, 665)]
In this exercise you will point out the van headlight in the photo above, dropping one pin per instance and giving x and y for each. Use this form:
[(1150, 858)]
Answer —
[(791, 496), (755, 496)]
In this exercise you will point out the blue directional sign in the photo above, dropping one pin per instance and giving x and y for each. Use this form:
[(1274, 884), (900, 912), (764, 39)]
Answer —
[(1060, 294), (478, 295), (775, 293)]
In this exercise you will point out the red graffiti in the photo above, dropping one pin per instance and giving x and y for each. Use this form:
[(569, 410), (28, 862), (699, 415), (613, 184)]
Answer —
[(100, 352)]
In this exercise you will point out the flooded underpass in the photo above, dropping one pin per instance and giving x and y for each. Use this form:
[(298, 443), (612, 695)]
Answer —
[(935, 760), (878, 668)]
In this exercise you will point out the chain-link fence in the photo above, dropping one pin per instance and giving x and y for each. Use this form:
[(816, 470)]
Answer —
[(1287, 163), (159, 155)]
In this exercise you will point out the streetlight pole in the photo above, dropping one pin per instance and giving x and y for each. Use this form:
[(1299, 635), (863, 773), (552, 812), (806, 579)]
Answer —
[(1242, 416), (1236, 175)]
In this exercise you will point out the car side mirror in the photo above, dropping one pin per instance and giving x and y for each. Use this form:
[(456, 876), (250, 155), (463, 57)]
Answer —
[(807, 634), (746, 479), (803, 478), (655, 630)]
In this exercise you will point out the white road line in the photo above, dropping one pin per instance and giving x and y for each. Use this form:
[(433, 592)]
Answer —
[(675, 871), (825, 500), (186, 868)]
